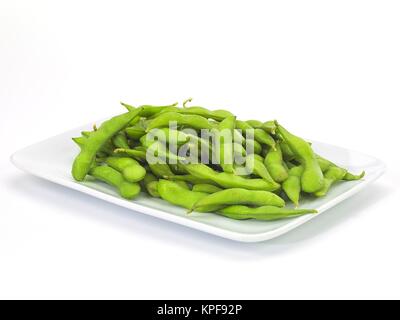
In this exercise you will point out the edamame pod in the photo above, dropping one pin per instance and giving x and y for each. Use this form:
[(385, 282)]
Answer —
[(96, 140), (332, 175), (312, 178), (228, 180), (134, 153), (150, 184), (128, 190), (135, 132), (131, 170), (254, 123), (260, 170), (194, 121), (189, 178), (160, 170), (269, 126), (174, 193), (266, 213), (218, 115), (292, 185), (324, 164), (206, 188), (253, 145), (150, 110), (225, 136), (240, 196), (264, 138), (259, 135), (351, 177), (274, 163), (120, 141)]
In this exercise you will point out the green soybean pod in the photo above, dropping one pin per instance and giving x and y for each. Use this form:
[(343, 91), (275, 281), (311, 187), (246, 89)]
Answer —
[(259, 135), (258, 157), (120, 141), (269, 126), (218, 115), (135, 132), (160, 170), (172, 192), (312, 178), (189, 179), (150, 110), (107, 147), (152, 189), (240, 196), (134, 153), (177, 168), (80, 141), (253, 145), (159, 150), (254, 123), (228, 180), (206, 188), (260, 170), (287, 154), (130, 169), (274, 163), (292, 185), (150, 184), (324, 164), (183, 184), (194, 121), (225, 136), (264, 138), (239, 150), (266, 213), (332, 175), (96, 140), (128, 190), (351, 177)]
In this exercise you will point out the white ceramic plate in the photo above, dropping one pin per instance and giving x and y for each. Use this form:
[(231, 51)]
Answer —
[(52, 159)]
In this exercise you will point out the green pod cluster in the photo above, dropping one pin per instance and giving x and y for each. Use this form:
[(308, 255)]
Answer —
[(240, 196), (250, 169)]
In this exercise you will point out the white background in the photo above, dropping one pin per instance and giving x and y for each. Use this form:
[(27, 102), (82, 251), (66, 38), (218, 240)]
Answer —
[(329, 70)]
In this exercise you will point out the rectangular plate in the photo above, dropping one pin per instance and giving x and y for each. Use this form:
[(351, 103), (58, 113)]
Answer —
[(52, 160)]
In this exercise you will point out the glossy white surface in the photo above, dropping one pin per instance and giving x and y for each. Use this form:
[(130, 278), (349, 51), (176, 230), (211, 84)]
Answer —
[(52, 159)]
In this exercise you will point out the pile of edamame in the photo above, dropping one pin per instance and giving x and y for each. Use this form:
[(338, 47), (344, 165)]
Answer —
[(257, 168)]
